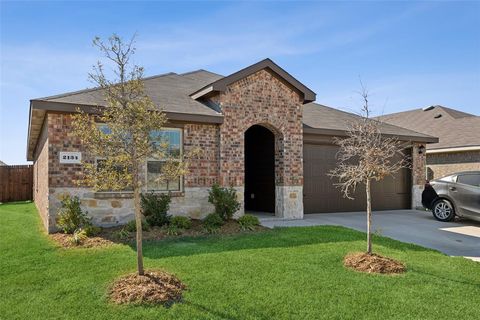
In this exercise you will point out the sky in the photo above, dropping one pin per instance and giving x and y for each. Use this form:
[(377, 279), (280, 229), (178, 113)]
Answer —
[(408, 54)]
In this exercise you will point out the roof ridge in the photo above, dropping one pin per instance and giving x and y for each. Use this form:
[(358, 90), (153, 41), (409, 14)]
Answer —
[(200, 70), (72, 93), (456, 114)]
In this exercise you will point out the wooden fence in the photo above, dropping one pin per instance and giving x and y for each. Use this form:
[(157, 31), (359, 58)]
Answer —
[(16, 183)]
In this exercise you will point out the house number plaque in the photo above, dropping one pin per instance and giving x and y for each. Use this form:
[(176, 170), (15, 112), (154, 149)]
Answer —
[(70, 157)]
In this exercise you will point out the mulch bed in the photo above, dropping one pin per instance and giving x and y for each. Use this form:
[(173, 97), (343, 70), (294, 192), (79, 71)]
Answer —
[(373, 263), (158, 233), (109, 236), (155, 287), (91, 242)]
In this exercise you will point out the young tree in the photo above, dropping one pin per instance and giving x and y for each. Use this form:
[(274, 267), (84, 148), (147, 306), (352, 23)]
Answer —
[(121, 134), (365, 155)]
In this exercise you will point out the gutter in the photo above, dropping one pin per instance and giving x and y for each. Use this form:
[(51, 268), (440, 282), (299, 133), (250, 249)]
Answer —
[(343, 133), (454, 149)]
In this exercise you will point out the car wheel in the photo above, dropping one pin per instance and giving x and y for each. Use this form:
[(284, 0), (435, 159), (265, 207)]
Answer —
[(443, 210)]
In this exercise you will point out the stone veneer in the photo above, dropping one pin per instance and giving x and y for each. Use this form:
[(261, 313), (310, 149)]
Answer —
[(264, 99), (418, 175)]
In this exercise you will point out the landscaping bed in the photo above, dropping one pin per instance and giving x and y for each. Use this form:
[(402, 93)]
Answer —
[(109, 236)]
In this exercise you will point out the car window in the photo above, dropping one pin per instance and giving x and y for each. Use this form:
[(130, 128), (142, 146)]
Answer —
[(470, 179), (448, 178)]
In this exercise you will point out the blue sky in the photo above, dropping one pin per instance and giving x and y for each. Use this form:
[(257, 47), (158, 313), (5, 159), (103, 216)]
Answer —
[(409, 54)]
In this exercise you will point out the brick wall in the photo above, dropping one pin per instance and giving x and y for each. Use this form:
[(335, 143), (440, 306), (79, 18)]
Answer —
[(261, 98), (61, 138), (264, 99), (40, 176), (204, 171), (442, 164)]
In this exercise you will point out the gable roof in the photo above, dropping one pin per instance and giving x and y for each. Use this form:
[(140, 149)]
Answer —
[(320, 119), (221, 84), (454, 128)]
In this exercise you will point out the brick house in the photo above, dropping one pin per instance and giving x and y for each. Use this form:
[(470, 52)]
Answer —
[(458, 148), (259, 130)]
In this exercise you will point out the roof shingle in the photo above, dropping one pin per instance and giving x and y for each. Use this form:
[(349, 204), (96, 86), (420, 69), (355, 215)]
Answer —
[(454, 128)]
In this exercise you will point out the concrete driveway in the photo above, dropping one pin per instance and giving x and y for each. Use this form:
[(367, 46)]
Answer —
[(459, 238)]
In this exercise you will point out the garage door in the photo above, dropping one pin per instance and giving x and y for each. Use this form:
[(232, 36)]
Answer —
[(320, 194)]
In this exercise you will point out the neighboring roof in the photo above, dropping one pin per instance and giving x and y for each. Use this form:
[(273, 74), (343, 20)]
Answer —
[(320, 119), (2, 163), (454, 128), (222, 84)]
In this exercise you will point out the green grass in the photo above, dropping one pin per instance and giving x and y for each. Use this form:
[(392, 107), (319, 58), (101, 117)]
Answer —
[(280, 274)]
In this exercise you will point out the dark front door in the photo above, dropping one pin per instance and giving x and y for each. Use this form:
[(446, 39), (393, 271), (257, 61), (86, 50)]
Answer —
[(259, 169)]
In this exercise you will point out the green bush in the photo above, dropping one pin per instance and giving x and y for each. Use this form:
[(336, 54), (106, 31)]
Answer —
[(248, 222), (71, 216), (212, 222), (92, 230), (224, 200), (155, 208), (173, 230), (122, 234), (181, 222), (131, 226), (78, 237)]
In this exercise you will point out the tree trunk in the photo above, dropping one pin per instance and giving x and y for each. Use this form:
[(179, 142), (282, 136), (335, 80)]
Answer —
[(369, 218), (138, 222)]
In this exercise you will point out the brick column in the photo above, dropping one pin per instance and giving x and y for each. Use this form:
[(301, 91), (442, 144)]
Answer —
[(418, 174)]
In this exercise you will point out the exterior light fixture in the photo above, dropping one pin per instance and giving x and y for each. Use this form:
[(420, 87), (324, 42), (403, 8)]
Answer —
[(421, 149)]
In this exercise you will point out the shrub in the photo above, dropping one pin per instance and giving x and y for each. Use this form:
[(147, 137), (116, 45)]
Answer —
[(92, 230), (224, 200), (212, 222), (122, 234), (78, 237), (248, 222), (173, 230), (181, 222), (71, 216), (155, 208), (131, 226)]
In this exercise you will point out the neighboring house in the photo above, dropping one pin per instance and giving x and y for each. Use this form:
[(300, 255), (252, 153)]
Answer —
[(458, 148), (259, 130), (2, 163)]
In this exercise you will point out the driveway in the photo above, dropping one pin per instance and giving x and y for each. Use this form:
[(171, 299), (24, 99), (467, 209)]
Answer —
[(459, 238)]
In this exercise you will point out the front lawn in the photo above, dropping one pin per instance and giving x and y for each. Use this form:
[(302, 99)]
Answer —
[(280, 274)]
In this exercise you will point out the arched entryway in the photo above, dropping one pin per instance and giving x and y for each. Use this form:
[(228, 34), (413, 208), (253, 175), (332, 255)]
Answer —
[(259, 170)]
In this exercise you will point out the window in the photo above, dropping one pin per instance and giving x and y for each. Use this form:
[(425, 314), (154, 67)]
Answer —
[(100, 162), (104, 128), (449, 178), (171, 140), (470, 179)]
